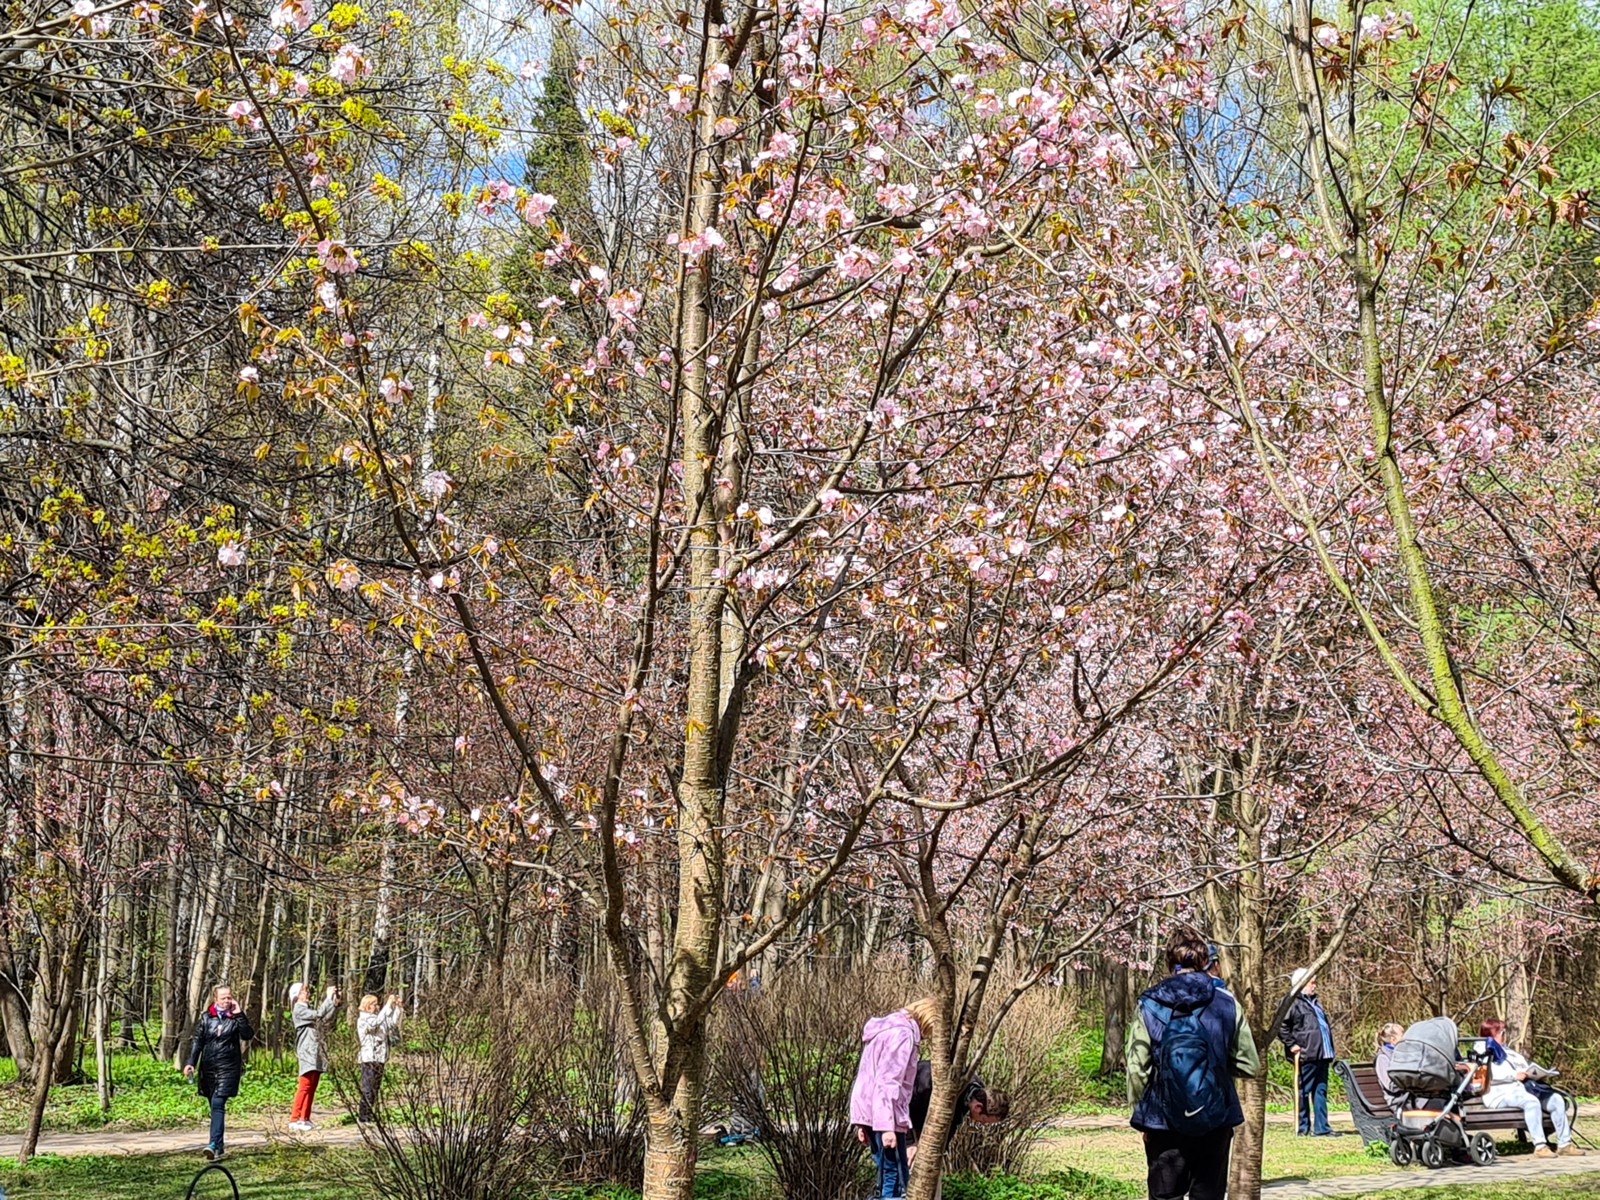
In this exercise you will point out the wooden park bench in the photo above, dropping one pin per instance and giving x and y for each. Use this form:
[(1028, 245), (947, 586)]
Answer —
[(1370, 1108)]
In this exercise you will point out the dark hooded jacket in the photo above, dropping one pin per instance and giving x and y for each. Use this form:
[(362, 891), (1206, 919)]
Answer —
[(922, 1099), (1224, 1023), (217, 1052), (1301, 1028)]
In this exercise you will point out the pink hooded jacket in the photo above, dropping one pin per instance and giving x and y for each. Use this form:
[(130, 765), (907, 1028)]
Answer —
[(881, 1097)]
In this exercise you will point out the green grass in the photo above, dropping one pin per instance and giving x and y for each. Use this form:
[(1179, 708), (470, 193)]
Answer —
[(282, 1172), (1118, 1154), (147, 1095), (1570, 1187), (1065, 1184)]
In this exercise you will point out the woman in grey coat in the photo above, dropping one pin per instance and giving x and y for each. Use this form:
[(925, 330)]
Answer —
[(308, 1047)]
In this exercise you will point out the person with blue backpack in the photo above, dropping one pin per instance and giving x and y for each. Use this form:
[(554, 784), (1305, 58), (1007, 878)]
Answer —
[(1184, 1048)]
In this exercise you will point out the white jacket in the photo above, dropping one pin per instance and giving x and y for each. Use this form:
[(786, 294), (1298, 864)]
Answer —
[(373, 1030), (1505, 1089)]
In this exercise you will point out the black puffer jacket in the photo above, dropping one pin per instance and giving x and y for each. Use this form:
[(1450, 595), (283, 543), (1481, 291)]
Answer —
[(1301, 1028), (217, 1053)]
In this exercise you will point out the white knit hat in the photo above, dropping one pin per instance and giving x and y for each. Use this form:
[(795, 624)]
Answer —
[(1301, 974), (294, 991)]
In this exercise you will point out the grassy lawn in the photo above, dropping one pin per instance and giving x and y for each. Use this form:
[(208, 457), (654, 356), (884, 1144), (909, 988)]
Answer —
[(273, 1173), (1114, 1170), (1572, 1187), (1119, 1154), (148, 1095)]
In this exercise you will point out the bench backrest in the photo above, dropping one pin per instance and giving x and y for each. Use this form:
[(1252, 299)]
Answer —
[(1473, 1113)]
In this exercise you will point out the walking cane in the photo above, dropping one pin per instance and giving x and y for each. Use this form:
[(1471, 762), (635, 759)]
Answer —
[(1297, 1092)]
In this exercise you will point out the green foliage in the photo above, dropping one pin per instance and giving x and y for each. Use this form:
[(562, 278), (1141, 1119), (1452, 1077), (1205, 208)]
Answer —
[(710, 1183), (1573, 1187), (1548, 54), (279, 1172), (148, 1095), (1066, 1184), (558, 160)]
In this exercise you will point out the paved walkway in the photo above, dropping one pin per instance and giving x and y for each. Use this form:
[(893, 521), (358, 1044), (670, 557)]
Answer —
[(174, 1141), (1507, 1170), (1340, 1120)]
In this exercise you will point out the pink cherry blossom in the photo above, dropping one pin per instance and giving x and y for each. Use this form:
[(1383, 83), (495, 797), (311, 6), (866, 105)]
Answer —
[(291, 15), (536, 207), (336, 258), (244, 114), (343, 575), (349, 65)]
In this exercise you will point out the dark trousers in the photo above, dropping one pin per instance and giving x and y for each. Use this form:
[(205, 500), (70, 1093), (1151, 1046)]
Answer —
[(1314, 1097), (1192, 1167), (219, 1112), (893, 1169), (371, 1081)]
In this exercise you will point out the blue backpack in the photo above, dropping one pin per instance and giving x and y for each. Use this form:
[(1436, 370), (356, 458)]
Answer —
[(1190, 1082)]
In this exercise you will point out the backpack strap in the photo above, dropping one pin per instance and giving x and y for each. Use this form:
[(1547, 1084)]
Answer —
[(1161, 1012)]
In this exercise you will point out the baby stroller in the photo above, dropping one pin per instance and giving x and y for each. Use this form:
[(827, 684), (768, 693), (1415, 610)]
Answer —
[(1427, 1069)]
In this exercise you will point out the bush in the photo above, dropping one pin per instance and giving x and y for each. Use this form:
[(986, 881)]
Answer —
[(462, 1099), (493, 1093), (787, 1060), (1067, 1184), (1030, 1059), (592, 1119)]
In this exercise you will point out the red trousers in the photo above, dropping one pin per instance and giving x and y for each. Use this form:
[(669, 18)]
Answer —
[(301, 1109)]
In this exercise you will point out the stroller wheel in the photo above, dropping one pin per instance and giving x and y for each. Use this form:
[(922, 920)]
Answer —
[(1400, 1152), (1432, 1154), (1481, 1150)]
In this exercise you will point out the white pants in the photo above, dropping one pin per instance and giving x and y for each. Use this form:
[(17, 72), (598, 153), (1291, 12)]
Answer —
[(1533, 1113)]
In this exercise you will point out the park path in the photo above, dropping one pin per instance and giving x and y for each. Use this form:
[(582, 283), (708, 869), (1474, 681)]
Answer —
[(1589, 1110), (1507, 1170), (174, 1141)]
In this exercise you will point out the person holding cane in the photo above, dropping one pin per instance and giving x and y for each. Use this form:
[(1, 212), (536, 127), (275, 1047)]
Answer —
[(216, 1054), (308, 1048), (1307, 1038)]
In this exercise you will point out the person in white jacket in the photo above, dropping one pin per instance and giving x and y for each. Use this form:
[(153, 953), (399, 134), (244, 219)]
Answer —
[(1508, 1088), (375, 1028)]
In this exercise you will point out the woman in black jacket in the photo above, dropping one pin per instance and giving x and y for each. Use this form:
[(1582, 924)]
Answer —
[(217, 1052)]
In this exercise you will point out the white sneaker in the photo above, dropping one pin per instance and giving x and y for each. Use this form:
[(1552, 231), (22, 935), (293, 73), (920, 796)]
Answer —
[(301, 1126)]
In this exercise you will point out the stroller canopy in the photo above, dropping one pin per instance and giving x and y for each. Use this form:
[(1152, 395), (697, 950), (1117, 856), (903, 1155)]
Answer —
[(1425, 1058)]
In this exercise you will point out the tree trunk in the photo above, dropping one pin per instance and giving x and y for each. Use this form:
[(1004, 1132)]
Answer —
[(53, 1033), (1520, 985), (171, 1020), (1113, 1035), (1249, 1141), (102, 1012), (1249, 984), (14, 1012), (205, 928)]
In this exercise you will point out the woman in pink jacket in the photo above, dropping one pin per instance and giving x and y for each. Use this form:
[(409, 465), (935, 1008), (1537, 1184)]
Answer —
[(880, 1101)]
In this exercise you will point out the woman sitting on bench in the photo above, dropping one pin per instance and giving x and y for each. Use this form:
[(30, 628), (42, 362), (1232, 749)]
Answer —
[(1387, 1037), (1510, 1087)]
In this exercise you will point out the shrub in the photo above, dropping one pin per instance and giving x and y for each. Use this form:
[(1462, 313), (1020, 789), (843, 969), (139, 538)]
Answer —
[(492, 1094), (1068, 1184), (1030, 1059), (787, 1060), (461, 1099), (592, 1121)]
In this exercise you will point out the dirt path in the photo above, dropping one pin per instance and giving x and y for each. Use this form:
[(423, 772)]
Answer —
[(170, 1141), (1507, 1170)]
